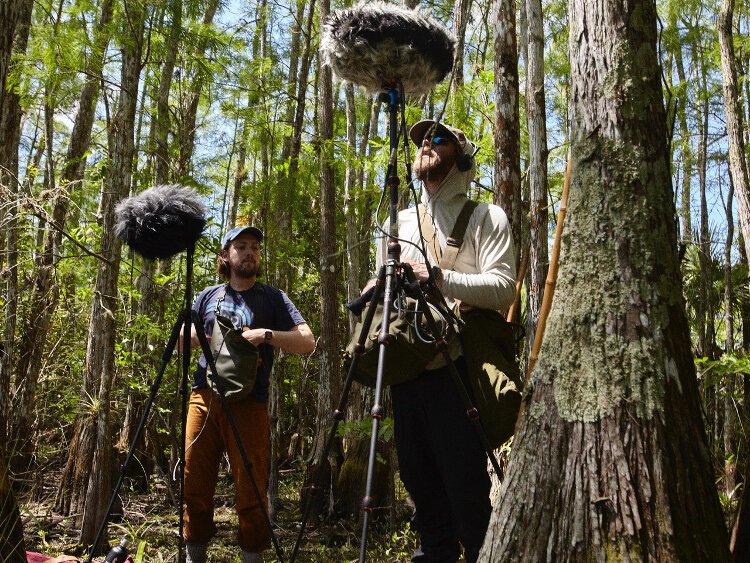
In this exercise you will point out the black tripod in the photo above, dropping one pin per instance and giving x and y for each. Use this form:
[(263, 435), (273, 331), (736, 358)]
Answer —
[(186, 319), (393, 277)]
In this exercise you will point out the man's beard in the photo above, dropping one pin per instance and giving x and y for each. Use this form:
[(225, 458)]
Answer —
[(437, 168), (245, 271)]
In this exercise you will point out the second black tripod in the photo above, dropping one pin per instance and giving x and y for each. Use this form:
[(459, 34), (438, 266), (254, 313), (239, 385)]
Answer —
[(394, 277)]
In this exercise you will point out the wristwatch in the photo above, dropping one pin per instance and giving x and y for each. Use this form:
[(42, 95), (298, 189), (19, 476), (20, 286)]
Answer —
[(268, 336)]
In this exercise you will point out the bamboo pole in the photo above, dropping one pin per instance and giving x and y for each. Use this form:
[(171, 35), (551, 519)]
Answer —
[(549, 290), (551, 283), (519, 282)]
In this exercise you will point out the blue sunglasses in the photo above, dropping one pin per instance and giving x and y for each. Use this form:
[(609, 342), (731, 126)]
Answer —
[(440, 140)]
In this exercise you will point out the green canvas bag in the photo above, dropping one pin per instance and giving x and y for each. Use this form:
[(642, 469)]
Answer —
[(236, 358), (488, 341), (407, 355)]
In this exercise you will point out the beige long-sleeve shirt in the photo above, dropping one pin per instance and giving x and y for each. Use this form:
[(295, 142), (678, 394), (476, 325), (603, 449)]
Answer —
[(484, 274)]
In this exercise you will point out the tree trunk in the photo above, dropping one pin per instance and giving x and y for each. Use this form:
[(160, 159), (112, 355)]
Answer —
[(507, 132), (685, 149), (162, 122), (703, 308), (240, 174), (44, 296), (328, 384), (740, 183), (287, 192), (13, 40), (189, 103), (87, 475), (351, 208), (613, 401), (12, 549), (733, 113), (537, 128), (730, 417), (461, 13)]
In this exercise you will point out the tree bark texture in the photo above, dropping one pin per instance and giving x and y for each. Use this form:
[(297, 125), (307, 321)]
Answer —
[(507, 130), (12, 549), (537, 131), (733, 113), (162, 122), (703, 307), (328, 384), (461, 14), (350, 204), (13, 40), (613, 401), (685, 149), (293, 145), (731, 422)]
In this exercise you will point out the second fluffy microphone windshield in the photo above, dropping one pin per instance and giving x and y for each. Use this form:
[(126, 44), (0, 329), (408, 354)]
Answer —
[(379, 45), (161, 221)]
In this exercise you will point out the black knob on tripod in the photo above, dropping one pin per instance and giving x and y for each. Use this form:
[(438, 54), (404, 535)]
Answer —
[(118, 554)]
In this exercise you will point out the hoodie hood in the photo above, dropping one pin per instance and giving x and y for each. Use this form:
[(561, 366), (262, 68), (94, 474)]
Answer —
[(451, 192)]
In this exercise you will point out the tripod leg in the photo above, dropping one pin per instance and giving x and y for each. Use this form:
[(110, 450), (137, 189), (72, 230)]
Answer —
[(377, 411), (338, 414), (166, 357), (211, 372)]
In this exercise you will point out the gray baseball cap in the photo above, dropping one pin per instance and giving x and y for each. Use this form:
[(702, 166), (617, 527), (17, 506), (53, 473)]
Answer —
[(430, 127), (232, 234)]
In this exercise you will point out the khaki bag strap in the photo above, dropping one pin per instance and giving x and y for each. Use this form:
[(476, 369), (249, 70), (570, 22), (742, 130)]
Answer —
[(454, 242), (428, 231), (447, 258)]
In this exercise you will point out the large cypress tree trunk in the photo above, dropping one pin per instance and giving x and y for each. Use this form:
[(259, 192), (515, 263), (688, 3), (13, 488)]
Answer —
[(739, 183), (613, 404)]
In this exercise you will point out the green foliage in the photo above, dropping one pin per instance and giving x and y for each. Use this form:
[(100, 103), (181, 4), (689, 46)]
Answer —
[(360, 429), (729, 367)]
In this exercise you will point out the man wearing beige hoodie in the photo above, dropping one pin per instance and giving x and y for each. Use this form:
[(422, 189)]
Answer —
[(442, 463)]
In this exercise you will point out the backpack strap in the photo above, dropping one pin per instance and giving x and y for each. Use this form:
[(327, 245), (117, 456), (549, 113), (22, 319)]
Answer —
[(446, 258), (428, 231), (454, 242)]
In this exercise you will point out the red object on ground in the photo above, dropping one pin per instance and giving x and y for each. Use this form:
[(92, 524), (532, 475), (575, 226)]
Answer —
[(33, 557)]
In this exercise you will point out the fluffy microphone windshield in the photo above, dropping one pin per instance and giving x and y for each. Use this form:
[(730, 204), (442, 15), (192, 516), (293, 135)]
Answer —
[(379, 45), (161, 221)]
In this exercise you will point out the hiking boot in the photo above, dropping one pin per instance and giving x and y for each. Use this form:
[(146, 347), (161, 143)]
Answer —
[(248, 557)]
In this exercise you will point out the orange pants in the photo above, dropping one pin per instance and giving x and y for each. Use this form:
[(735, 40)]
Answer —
[(207, 437)]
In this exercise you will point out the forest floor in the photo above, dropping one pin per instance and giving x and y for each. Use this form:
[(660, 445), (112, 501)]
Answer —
[(151, 525)]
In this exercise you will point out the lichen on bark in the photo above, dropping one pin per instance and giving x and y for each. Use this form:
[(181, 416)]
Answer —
[(605, 344)]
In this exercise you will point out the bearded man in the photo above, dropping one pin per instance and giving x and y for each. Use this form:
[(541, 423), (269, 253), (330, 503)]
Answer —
[(268, 320), (441, 460)]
